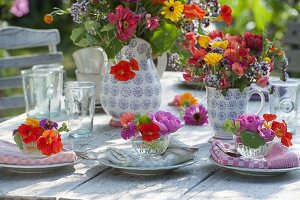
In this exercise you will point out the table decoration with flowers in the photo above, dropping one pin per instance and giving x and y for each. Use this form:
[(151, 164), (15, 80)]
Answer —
[(149, 133), (131, 32), (255, 135), (39, 137)]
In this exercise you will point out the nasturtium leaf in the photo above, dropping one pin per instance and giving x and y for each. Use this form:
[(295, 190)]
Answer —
[(77, 34), (252, 140), (107, 27), (18, 140), (144, 119)]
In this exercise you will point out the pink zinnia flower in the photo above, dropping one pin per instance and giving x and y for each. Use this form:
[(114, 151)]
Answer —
[(151, 22), (20, 8), (196, 115), (125, 22)]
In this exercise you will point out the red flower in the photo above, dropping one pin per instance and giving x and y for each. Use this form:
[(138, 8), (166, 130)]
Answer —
[(29, 133), (216, 34), (280, 130), (193, 11), (254, 41), (149, 131), (157, 1), (226, 14), (49, 143), (286, 139), (122, 70), (269, 117)]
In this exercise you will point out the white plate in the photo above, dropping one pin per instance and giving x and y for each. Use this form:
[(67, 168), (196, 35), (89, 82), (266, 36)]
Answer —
[(144, 170), (255, 172), (37, 168)]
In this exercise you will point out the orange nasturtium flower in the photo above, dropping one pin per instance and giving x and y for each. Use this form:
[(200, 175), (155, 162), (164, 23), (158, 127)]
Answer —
[(29, 133), (193, 11), (49, 142), (269, 117), (280, 130), (48, 19), (187, 99)]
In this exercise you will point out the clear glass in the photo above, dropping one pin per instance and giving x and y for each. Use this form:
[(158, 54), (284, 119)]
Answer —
[(80, 107), (151, 149), (253, 154), (37, 90), (32, 150), (283, 99), (56, 85)]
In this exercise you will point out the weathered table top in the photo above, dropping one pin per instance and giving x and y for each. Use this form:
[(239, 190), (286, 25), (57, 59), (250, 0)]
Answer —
[(202, 180)]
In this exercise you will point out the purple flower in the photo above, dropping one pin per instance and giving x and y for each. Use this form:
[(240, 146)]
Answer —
[(128, 131), (267, 134), (249, 122), (167, 122), (48, 124), (20, 8), (196, 115), (14, 132)]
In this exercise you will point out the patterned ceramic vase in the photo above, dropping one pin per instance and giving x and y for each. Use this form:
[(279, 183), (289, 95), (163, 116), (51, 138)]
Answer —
[(221, 108), (142, 94)]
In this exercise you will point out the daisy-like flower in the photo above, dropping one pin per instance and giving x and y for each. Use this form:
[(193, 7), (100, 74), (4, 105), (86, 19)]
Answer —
[(172, 10), (187, 99), (49, 143), (220, 44), (196, 115), (213, 59)]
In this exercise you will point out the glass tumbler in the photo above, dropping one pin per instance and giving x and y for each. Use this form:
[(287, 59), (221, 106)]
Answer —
[(283, 99), (80, 107), (56, 85), (37, 91)]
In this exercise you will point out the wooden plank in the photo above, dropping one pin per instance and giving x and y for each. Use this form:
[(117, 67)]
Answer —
[(294, 60), (292, 34), (29, 61), (25, 37), (12, 102), (10, 82)]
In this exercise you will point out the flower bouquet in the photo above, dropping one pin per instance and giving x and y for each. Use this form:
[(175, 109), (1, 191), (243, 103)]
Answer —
[(39, 137), (149, 133), (254, 136)]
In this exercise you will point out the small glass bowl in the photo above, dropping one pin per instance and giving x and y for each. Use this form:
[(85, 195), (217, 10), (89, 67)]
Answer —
[(30, 149), (153, 149), (253, 154)]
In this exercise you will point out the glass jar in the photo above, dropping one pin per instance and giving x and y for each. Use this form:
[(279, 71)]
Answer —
[(31, 149), (151, 149)]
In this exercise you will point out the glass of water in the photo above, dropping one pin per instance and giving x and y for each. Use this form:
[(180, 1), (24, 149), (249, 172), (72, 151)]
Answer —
[(80, 107), (56, 84), (283, 99)]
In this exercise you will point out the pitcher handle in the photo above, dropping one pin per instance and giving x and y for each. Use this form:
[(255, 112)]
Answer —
[(262, 98), (162, 62)]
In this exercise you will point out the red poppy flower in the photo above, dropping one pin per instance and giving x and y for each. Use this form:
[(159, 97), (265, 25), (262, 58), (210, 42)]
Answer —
[(29, 133), (49, 143), (226, 14), (149, 131), (269, 117), (193, 11), (122, 71)]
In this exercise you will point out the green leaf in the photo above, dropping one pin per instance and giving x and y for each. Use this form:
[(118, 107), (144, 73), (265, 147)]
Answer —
[(91, 25), (18, 140), (77, 34), (252, 140), (241, 83), (82, 43), (144, 119), (107, 27)]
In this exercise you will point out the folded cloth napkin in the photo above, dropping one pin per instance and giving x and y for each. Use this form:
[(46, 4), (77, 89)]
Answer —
[(11, 154), (278, 157), (128, 158)]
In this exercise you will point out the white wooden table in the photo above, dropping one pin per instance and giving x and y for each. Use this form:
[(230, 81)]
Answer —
[(202, 180)]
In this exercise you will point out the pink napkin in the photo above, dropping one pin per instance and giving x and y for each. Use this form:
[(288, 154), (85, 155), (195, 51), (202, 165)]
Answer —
[(279, 157), (11, 154)]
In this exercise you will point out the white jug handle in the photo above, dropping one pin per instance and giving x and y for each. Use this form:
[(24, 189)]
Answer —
[(262, 98), (162, 62)]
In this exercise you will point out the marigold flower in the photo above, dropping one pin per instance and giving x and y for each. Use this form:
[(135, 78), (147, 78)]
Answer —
[(48, 19), (32, 122), (187, 99), (213, 58), (49, 143), (193, 11), (203, 41), (220, 44), (172, 10)]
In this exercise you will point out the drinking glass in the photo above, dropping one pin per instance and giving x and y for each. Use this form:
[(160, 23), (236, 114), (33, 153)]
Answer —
[(56, 84), (37, 92), (80, 107), (283, 101)]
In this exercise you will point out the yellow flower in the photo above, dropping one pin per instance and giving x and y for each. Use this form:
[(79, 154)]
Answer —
[(267, 59), (187, 99), (203, 41), (32, 122), (220, 44), (172, 10), (213, 58)]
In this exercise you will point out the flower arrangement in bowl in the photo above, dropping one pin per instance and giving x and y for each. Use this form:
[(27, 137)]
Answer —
[(39, 138), (254, 136), (149, 133)]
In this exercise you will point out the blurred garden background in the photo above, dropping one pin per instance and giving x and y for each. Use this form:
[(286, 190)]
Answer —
[(248, 15)]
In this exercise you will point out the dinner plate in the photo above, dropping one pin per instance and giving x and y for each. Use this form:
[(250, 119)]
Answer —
[(144, 170), (255, 172), (37, 168)]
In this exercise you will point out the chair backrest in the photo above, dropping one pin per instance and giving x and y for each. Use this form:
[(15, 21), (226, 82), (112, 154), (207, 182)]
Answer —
[(292, 39), (12, 38)]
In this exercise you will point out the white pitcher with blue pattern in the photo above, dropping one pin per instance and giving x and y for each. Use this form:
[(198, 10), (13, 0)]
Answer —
[(220, 107), (142, 94)]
